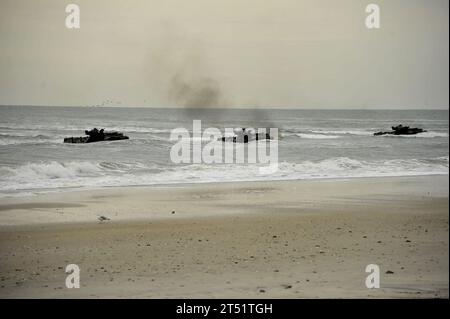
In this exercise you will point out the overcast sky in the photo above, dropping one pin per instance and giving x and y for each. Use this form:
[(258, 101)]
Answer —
[(234, 53)]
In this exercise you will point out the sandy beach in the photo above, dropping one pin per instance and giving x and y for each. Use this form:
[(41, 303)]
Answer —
[(289, 239)]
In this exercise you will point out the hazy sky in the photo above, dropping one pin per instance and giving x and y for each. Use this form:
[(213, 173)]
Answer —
[(238, 53)]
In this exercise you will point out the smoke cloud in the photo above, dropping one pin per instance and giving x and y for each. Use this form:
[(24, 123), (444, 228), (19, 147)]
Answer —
[(200, 91), (181, 65)]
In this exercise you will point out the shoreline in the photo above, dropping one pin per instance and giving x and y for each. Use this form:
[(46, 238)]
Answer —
[(60, 190), (72, 200), (290, 239)]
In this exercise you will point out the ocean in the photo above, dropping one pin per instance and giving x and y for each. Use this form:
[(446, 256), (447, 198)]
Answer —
[(313, 144)]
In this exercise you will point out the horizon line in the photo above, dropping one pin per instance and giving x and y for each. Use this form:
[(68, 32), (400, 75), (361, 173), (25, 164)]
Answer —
[(232, 107)]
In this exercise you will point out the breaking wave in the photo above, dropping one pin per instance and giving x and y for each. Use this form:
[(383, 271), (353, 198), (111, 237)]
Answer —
[(345, 132), (429, 134), (316, 136), (85, 174), (331, 134)]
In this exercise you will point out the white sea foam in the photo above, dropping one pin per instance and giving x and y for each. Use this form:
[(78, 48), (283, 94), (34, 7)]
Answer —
[(316, 136), (345, 132), (140, 129), (323, 134), (429, 134), (53, 175), (314, 144)]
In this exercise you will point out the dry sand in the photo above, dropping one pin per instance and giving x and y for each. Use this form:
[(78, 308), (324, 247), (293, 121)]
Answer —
[(291, 239)]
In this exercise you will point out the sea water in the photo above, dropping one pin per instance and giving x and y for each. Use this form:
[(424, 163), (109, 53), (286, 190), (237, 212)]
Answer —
[(312, 144)]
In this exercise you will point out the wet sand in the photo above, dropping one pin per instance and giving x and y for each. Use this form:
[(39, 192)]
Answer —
[(290, 239)]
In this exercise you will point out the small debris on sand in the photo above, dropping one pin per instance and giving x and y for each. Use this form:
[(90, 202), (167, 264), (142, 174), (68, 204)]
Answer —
[(389, 272), (103, 218)]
